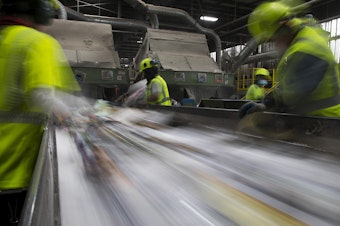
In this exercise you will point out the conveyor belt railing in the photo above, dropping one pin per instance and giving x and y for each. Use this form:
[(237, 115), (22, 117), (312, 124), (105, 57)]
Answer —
[(320, 133), (41, 206)]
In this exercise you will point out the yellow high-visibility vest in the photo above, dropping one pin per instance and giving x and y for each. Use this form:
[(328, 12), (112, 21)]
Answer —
[(29, 59), (164, 97), (324, 100), (255, 92)]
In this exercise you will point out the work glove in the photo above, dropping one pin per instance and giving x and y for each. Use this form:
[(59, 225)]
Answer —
[(250, 107)]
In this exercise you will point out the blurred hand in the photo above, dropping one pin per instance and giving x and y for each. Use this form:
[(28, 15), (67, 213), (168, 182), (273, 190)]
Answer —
[(61, 118), (84, 110), (251, 107)]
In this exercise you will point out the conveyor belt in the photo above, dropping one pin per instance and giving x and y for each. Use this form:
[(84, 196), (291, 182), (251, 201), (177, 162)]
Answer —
[(154, 174)]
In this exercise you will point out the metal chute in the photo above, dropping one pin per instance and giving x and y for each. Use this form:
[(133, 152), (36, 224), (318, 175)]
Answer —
[(89, 48)]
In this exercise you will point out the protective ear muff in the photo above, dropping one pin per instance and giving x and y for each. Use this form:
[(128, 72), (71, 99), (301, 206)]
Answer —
[(44, 12), (154, 63)]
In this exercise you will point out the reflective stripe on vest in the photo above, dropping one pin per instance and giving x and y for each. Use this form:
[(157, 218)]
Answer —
[(23, 117), (317, 105), (163, 100)]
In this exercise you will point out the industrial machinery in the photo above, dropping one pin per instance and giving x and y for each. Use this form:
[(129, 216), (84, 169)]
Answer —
[(90, 50), (184, 57), (185, 63)]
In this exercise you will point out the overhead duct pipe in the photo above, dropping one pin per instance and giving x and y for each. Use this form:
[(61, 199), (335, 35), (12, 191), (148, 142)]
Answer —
[(258, 57), (166, 11), (244, 54), (245, 17), (154, 21), (62, 14), (262, 57), (142, 6), (117, 23)]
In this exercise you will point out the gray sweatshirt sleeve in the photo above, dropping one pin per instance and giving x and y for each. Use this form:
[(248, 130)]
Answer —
[(58, 102)]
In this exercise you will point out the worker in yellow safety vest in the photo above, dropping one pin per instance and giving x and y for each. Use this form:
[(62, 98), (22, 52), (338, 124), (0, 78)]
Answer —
[(157, 92), (307, 73), (33, 69), (257, 90)]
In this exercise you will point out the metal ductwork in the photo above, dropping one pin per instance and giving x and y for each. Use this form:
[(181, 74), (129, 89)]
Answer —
[(154, 21), (166, 11), (245, 53), (138, 4), (262, 57), (62, 14), (118, 23)]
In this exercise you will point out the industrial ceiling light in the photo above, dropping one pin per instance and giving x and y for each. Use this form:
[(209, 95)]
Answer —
[(209, 18)]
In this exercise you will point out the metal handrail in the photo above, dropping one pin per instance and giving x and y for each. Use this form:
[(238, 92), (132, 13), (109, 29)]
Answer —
[(39, 207)]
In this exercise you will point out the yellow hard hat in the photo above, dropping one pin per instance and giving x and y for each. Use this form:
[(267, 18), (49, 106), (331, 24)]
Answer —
[(147, 63), (266, 19), (263, 72)]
